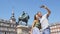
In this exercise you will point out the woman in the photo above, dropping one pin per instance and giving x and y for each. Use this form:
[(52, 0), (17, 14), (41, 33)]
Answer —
[(36, 26)]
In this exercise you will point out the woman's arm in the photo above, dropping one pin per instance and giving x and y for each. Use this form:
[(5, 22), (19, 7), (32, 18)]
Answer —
[(32, 26), (33, 23)]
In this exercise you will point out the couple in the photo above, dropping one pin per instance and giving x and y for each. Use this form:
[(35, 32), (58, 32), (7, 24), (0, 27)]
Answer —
[(41, 22)]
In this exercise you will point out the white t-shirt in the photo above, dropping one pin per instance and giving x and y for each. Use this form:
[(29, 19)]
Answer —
[(44, 22)]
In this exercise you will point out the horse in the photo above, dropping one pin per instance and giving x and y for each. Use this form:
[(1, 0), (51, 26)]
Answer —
[(24, 18)]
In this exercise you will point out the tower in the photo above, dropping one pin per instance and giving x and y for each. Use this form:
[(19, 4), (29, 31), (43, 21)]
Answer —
[(12, 18)]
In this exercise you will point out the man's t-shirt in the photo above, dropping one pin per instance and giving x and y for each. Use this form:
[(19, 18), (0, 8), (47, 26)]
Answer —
[(44, 22)]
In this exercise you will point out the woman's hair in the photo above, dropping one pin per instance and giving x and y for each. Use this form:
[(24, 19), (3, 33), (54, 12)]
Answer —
[(35, 17), (38, 21)]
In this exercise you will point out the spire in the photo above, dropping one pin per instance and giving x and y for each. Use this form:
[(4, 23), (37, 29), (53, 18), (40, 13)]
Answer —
[(12, 12), (13, 17)]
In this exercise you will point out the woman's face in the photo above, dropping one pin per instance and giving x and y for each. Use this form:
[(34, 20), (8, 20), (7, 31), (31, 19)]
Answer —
[(37, 17)]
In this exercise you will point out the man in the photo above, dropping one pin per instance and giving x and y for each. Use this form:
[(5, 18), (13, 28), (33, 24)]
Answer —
[(44, 20)]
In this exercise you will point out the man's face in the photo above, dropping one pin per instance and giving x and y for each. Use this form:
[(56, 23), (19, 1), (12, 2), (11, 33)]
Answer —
[(40, 14)]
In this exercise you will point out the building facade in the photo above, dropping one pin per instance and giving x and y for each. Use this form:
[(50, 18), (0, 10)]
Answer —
[(8, 26), (55, 28)]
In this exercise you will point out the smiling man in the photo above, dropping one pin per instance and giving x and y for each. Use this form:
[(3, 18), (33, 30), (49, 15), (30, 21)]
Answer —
[(44, 20)]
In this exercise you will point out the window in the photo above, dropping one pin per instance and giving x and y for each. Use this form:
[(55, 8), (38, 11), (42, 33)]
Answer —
[(11, 25)]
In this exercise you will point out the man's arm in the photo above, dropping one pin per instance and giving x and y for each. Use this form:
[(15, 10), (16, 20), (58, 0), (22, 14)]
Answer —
[(47, 10)]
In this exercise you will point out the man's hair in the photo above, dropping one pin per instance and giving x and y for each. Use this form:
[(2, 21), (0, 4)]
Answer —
[(38, 12)]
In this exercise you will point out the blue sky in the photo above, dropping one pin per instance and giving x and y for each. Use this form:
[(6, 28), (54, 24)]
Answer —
[(31, 7)]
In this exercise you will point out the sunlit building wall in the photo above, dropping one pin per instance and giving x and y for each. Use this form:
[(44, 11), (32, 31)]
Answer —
[(7, 27), (55, 28)]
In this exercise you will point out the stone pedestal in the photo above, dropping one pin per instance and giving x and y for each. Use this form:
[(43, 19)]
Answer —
[(22, 29)]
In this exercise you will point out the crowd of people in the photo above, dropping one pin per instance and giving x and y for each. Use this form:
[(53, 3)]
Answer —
[(40, 24)]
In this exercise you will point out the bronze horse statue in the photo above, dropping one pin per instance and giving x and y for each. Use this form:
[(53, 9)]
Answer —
[(24, 18)]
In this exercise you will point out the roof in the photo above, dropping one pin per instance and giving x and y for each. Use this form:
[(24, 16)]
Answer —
[(56, 23)]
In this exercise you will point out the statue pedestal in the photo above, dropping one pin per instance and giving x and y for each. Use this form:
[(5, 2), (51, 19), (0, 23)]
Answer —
[(21, 29)]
